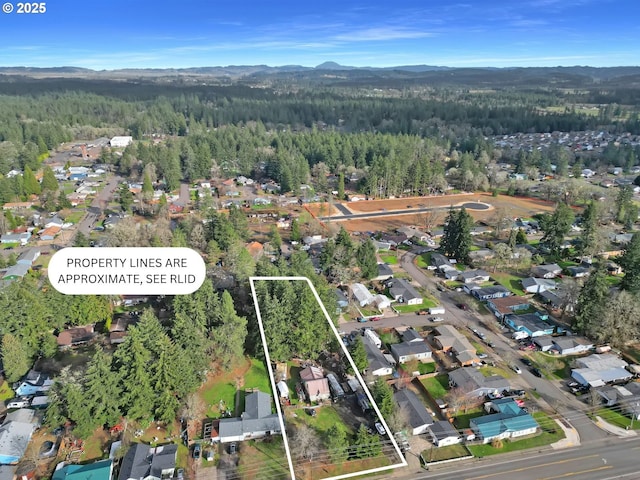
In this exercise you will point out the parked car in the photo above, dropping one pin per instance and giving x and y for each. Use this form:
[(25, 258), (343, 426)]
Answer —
[(311, 411), (482, 355), (437, 319), (362, 320), (422, 312), (233, 448), (197, 451), (526, 361), (462, 306), (375, 319), (20, 402), (516, 369), (380, 428), (536, 372), (209, 455)]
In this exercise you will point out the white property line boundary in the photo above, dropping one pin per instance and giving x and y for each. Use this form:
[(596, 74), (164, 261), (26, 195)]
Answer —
[(353, 366)]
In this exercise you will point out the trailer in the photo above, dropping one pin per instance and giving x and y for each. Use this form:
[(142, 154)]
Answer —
[(363, 402), (337, 392)]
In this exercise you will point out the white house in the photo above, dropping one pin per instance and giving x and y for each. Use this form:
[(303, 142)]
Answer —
[(120, 142), (443, 434), (361, 294), (418, 417), (255, 422)]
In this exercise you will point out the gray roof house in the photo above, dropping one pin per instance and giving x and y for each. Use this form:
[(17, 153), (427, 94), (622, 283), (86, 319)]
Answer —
[(627, 397), (475, 384), (537, 285), (406, 351), (489, 293), (443, 434), (419, 418), (571, 345), (19, 270), (599, 369), (15, 434), (255, 422), (384, 272), (361, 294), (343, 301), (28, 257), (474, 276), (437, 260), (403, 291), (551, 270), (378, 364), (149, 463)]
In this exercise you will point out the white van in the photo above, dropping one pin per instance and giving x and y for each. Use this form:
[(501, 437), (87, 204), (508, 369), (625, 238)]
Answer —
[(436, 311)]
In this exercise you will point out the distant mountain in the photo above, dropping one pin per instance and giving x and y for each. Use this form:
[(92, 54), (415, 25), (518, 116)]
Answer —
[(379, 77)]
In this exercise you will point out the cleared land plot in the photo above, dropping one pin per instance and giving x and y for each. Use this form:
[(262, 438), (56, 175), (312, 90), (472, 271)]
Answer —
[(438, 454)]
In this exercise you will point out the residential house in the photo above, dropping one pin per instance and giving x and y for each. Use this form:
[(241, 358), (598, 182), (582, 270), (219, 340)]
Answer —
[(384, 272), (100, 470), (438, 260), (507, 305), (551, 270), (509, 421), (410, 335), (620, 238), (15, 434), (315, 384), (481, 254), (361, 294), (256, 421), (53, 222), (625, 397), (343, 301), (120, 141), (475, 384), (21, 238), (418, 417), (378, 365), (544, 342), (49, 233), (403, 292), (571, 345), (489, 293), (552, 299), (407, 351), (537, 285), (72, 337), (255, 249), (596, 370), (444, 434), (16, 272), (474, 276), (381, 301), (412, 232), (149, 463), (578, 271), (449, 272), (448, 339), (261, 201), (32, 383), (380, 245), (480, 230), (533, 324), (29, 257)]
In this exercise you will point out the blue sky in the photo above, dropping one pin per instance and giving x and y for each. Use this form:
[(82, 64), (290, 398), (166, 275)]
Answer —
[(473, 33)]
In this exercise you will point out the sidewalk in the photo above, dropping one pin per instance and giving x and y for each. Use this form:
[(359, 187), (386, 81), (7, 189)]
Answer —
[(613, 430), (572, 438)]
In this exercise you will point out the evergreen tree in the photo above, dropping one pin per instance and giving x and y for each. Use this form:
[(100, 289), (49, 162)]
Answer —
[(15, 358), (556, 227), (63, 201), (592, 300), (456, 241), (341, 186), (366, 444), (275, 238), (239, 221), (358, 354), (81, 240), (147, 187), (102, 392), (588, 237), (49, 181), (125, 197), (521, 237), (630, 262), (132, 361), (31, 185), (296, 236), (383, 395), (337, 444), (228, 333), (367, 261)]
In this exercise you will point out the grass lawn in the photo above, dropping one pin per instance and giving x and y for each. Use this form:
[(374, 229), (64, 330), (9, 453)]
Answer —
[(424, 260), (614, 280), (551, 433), (462, 420), (453, 284), (633, 353), (553, 366), (436, 386), (489, 370), (389, 259), (435, 454), (326, 417), (4, 246), (389, 338), (221, 390), (6, 392), (426, 303), (417, 366), (616, 418), (74, 217), (512, 282)]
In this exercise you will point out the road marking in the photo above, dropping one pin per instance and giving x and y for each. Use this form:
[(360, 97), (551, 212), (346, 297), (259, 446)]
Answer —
[(536, 466), (571, 474)]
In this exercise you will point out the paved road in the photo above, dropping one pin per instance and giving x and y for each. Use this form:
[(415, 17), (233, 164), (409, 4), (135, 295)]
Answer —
[(99, 203), (605, 460), (393, 213)]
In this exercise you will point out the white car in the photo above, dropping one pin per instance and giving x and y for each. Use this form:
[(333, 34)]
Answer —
[(516, 369), (380, 428)]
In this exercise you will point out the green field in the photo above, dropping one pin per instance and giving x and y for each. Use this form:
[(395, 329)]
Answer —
[(616, 418), (5, 392), (426, 303), (463, 419), (424, 260), (435, 454)]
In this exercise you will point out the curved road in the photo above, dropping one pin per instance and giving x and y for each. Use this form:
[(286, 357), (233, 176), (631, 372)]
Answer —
[(347, 215)]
